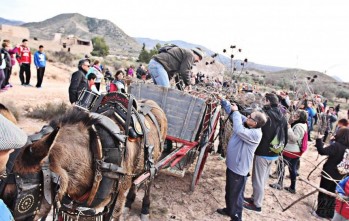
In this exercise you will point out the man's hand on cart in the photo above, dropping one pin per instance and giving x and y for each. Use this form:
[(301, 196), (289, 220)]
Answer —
[(234, 107)]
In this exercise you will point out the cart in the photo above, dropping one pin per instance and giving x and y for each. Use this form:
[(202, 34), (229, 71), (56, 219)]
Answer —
[(192, 121)]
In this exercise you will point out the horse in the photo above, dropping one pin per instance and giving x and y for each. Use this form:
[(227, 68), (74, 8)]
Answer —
[(68, 149)]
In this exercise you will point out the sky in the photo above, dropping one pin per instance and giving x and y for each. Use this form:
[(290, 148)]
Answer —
[(306, 34)]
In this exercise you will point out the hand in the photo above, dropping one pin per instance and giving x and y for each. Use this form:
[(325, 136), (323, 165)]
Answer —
[(234, 107), (319, 136), (187, 88), (288, 126)]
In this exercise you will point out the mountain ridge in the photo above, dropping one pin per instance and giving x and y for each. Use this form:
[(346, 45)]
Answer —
[(86, 28)]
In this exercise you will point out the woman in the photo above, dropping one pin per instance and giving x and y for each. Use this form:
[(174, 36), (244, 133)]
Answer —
[(335, 152), (292, 151), (95, 69), (118, 84)]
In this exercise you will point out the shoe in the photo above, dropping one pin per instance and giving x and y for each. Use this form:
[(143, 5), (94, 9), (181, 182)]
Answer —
[(38, 87), (222, 211), (289, 189), (276, 186), (251, 206), (248, 200)]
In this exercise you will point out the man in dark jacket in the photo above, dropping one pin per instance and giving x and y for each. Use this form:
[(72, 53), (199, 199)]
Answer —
[(78, 80), (264, 156), (164, 65)]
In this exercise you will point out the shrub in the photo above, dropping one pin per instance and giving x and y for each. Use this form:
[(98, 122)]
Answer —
[(61, 56), (100, 47), (47, 111)]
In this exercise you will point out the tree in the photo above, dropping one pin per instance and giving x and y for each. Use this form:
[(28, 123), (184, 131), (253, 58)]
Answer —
[(145, 56), (100, 47), (343, 94)]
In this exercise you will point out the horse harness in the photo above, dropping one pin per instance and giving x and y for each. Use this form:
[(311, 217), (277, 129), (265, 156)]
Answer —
[(32, 188), (108, 174)]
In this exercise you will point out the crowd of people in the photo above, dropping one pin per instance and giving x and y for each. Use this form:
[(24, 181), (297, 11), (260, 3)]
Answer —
[(259, 140), (22, 55), (258, 153)]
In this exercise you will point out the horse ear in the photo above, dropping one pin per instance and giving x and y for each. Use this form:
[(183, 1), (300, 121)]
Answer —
[(41, 148)]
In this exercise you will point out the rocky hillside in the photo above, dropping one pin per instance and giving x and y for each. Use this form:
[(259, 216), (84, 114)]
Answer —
[(86, 28)]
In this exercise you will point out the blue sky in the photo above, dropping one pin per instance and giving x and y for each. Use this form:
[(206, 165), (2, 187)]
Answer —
[(305, 34)]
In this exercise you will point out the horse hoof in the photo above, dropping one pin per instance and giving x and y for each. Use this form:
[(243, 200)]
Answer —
[(144, 217)]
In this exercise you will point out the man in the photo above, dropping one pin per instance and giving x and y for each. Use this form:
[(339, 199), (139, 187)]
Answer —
[(40, 64), (264, 156), (24, 61), (78, 80), (11, 137), (164, 65), (241, 147)]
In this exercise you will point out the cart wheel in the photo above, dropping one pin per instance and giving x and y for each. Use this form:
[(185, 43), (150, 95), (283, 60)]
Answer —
[(207, 142)]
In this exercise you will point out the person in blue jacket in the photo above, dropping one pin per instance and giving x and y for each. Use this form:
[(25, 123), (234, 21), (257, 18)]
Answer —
[(240, 151), (40, 64), (311, 114)]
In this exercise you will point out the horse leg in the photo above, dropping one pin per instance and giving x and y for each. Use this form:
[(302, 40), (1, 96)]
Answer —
[(131, 196), (146, 203), (120, 201)]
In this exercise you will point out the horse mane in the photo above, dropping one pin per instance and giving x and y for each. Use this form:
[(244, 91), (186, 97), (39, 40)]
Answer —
[(74, 116)]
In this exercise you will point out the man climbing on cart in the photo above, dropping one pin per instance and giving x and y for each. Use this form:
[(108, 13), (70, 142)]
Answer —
[(172, 59)]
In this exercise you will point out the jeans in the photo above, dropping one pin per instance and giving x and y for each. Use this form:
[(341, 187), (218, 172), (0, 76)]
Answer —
[(24, 68), (292, 167), (234, 194), (158, 73), (40, 75)]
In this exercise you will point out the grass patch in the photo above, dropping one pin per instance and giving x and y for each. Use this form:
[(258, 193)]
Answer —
[(47, 111)]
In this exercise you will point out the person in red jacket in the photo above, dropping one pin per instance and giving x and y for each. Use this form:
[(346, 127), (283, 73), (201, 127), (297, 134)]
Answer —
[(342, 206), (24, 61)]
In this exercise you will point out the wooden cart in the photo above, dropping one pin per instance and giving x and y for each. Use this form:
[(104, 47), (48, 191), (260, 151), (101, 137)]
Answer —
[(192, 121)]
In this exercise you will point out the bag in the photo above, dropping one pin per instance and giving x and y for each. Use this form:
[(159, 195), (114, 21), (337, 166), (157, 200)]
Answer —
[(343, 166), (304, 146), (166, 48), (277, 144)]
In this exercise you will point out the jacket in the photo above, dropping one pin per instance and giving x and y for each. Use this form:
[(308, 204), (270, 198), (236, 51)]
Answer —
[(343, 189), (177, 60), (77, 83), (40, 59), (242, 144), (24, 55), (97, 71), (335, 154), (311, 114), (275, 119), (295, 138), (13, 52), (7, 58)]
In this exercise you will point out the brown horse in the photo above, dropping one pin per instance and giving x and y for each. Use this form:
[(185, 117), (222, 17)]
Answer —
[(70, 157)]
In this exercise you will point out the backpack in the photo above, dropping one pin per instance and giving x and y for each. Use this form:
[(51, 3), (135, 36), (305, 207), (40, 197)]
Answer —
[(277, 144), (304, 146), (343, 166), (166, 48)]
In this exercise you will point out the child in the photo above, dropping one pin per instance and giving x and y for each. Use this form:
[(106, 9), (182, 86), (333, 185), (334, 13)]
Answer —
[(91, 83), (118, 84), (342, 208)]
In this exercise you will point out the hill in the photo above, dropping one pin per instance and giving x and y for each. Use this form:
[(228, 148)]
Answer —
[(10, 22), (86, 28), (150, 43)]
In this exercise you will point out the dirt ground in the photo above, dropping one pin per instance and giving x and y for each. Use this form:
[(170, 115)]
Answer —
[(171, 198)]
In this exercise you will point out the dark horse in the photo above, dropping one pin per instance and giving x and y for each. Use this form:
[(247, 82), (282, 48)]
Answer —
[(68, 148)]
